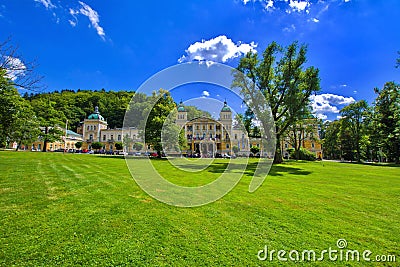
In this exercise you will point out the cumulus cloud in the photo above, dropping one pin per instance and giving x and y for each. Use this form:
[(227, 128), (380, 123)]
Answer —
[(47, 3), (298, 6), (91, 14), (328, 103), (218, 49), (205, 94)]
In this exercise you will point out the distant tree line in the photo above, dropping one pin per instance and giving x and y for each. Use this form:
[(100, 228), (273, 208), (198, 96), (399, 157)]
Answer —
[(367, 132)]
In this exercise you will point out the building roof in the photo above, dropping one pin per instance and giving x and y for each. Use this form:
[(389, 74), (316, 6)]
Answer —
[(181, 107), (71, 133), (225, 107), (96, 115)]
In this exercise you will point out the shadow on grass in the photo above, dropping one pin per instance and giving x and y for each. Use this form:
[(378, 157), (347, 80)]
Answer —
[(220, 167)]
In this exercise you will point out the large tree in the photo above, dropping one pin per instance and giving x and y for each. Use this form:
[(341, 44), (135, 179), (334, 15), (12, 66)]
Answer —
[(331, 140), (162, 106), (17, 120), (355, 114), (286, 83), (387, 120), (50, 119)]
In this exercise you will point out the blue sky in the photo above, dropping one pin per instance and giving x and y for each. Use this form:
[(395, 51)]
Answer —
[(120, 44)]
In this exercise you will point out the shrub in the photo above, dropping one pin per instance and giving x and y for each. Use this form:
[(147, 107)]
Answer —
[(304, 154)]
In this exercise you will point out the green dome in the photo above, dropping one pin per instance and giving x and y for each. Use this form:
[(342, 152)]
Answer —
[(226, 108), (181, 107), (96, 115)]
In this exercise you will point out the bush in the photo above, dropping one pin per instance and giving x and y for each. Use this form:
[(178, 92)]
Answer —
[(304, 154)]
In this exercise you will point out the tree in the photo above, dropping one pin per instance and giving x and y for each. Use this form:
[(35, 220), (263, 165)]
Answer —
[(299, 132), (386, 119), (193, 112), (159, 112), (119, 146), (50, 119), (78, 145), (398, 60), (285, 83), (354, 114), (331, 140), (97, 145), (235, 149), (138, 146), (127, 142), (254, 150), (17, 120)]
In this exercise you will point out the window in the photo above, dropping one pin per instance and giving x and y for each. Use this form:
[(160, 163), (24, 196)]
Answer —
[(91, 137), (211, 127), (111, 147), (88, 127), (227, 145), (94, 127), (235, 136), (312, 145), (286, 145), (91, 127), (198, 128), (119, 137), (112, 137), (104, 137)]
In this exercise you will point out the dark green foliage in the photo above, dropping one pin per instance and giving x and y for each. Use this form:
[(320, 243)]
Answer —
[(119, 146), (97, 145), (78, 105), (193, 112), (78, 145), (284, 80), (302, 154), (254, 149), (164, 105), (386, 121), (17, 120), (138, 146), (353, 117)]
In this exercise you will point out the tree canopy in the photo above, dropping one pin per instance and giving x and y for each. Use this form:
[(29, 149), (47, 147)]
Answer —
[(285, 82)]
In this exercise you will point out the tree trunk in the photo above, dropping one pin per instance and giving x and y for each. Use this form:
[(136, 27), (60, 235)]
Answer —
[(278, 152), (45, 139)]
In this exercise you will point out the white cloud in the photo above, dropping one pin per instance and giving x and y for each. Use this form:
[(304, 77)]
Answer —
[(73, 23), (205, 94), (328, 103), (218, 49), (298, 5), (47, 3), (92, 15), (14, 67), (291, 28), (315, 20)]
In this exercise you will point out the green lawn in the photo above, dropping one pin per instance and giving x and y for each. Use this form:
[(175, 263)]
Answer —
[(70, 209)]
